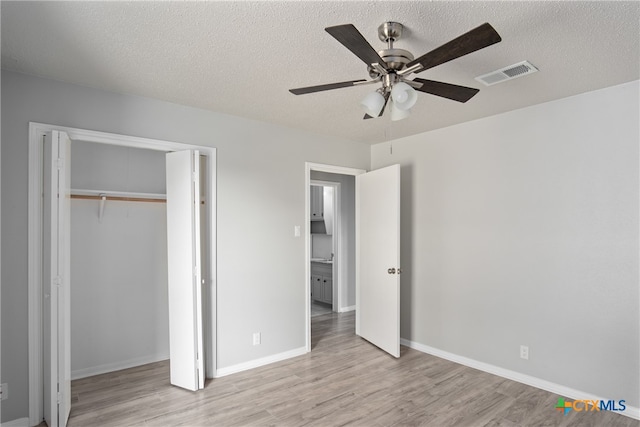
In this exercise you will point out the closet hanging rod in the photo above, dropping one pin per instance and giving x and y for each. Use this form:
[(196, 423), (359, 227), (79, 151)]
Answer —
[(119, 198), (124, 196)]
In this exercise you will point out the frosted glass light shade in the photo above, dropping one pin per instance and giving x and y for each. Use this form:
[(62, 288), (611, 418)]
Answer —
[(403, 96), (397, 113), (373, 104)]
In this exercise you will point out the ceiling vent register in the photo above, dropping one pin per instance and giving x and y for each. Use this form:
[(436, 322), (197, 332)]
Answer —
[(507, 73)]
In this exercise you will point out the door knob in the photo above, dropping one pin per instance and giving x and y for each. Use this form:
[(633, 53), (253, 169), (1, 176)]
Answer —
[(391, 271)]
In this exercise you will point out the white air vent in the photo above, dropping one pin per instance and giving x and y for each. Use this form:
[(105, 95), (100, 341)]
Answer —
[(507, 73)]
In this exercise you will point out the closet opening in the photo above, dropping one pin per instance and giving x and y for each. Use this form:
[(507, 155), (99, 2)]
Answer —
[(119, 261), (118, 228)]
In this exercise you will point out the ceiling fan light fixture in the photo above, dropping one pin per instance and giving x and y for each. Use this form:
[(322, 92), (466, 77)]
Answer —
[(373, 103), (404, 96), (397, 113)]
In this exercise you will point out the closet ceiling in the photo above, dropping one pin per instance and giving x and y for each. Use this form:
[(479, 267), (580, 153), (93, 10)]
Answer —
[(240, 58)]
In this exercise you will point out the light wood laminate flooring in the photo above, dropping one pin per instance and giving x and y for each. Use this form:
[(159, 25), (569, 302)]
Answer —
[(344, 381), (320, 308)]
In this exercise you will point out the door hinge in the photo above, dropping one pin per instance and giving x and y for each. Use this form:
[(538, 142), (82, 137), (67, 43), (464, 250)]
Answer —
[(60, 163), (57, 281), (59, 397)]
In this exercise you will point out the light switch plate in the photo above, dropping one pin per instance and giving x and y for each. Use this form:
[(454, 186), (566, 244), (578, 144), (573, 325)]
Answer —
[(296, 231)]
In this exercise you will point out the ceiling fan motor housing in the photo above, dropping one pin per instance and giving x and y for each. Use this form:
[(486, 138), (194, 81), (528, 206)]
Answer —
[(396, 59)]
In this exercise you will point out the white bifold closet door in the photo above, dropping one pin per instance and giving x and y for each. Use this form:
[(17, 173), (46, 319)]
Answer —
[(184, 269), (56, 279)]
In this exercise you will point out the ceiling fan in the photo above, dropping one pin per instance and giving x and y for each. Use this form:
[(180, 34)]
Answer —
[(391, 67)]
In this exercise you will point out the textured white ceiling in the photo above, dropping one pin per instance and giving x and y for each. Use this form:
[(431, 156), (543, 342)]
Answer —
[(241, 58)]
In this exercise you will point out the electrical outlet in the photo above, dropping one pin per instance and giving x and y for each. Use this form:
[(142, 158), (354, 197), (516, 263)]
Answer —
[(256, 338), (4, 391), (524, 352)]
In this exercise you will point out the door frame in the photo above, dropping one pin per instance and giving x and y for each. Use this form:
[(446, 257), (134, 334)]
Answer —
[(319, 167), (35, 242)]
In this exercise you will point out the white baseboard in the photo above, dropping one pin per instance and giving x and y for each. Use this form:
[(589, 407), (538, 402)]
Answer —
[(20, 422), (561, 390), (260, 362), (116, 366), (346, 309)]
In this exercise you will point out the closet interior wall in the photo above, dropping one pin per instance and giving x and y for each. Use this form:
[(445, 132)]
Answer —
[(119, 306)]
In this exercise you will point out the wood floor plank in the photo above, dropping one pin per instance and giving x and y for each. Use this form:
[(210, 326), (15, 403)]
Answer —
[(344, 381)]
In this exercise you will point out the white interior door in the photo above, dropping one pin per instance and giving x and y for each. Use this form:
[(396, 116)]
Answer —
[(184, 275), (378, 258), (56, 280)]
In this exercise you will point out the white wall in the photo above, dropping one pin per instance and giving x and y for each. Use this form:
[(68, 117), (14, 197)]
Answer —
[(261, 187), (116, 168), (348, 235), (119, 302), (522, 228)]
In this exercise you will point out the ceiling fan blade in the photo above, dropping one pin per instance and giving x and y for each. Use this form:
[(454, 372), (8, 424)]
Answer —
[(320, 88), (351, 38), (446, 90), (386, 100), (476, 39)]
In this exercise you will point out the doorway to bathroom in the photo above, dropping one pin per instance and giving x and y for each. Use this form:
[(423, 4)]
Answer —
[(330, 260), (324, 251)]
